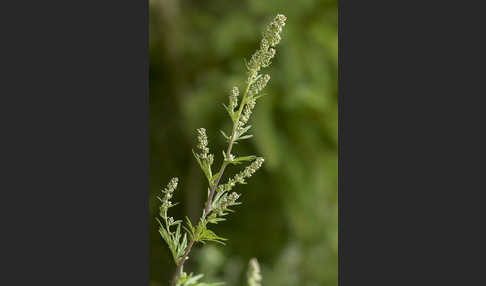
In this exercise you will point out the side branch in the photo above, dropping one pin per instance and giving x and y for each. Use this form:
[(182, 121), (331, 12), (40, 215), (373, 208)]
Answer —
[(212, 190)]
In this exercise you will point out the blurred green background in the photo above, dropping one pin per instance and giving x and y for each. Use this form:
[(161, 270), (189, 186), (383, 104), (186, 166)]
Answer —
[(288, 219)]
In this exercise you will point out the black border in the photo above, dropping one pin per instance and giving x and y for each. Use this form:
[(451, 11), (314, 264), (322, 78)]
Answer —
[(74, 143), (74, 110)]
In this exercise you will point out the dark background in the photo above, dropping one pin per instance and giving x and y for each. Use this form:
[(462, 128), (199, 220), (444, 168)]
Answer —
[(288, 219)]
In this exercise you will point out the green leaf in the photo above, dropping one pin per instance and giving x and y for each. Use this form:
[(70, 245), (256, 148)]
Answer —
[(165, 235), (195, 155), (174, 204), (215, 176), (216, 198), (209, 235), (204, 166), (189, 229), (177, 235), (245, 137), (242, 159), (210, 284), (258, 96), (215, 220), (256, 78), (160, 223), (224, 135), (244, 130), (191, 280), (182, 247), (230, 112)]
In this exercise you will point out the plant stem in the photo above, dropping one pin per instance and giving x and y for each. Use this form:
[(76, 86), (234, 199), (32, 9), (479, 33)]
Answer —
[(207, 208), (181, 263), (228, 151)]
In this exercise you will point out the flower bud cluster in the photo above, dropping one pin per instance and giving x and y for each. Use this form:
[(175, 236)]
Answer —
[(246, 173), (166, 203), (259, 85), (170, 220), (202, 139), (233, 98), (254, 277), (263, 56), (203, 146), (248, 109), (225, 202), (229, 200), (229, 158), (272, 33)]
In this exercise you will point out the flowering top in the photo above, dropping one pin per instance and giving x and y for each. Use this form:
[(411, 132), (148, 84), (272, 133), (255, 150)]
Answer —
[(246, 173), (263, 56), (220, 199), (254, 277), (168, 193), (233, 99), (202, 139)]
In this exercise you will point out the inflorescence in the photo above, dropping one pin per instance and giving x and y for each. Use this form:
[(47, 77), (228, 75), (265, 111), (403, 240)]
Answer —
[(219, 197)]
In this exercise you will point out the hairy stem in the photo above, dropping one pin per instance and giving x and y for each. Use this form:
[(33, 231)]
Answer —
[(207, 208)]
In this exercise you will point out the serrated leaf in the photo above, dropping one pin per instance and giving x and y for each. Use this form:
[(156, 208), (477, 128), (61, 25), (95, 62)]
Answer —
[(182, 247), (209, 235)]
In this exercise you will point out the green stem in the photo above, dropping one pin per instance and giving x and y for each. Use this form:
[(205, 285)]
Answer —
[(207, 208), (228, 151)]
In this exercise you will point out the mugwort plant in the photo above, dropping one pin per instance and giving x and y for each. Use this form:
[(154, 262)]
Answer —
[(182, 236)]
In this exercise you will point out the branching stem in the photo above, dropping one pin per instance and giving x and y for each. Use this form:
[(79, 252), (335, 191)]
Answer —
[(207, 208)]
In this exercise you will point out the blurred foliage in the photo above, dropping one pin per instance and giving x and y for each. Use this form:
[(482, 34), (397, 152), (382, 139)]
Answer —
[(288, 219)]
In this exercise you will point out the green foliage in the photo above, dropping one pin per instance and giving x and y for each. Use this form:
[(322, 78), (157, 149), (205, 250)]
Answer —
[(289, 216), (172, 238), (193, 280), (201, 233), (218, 206)]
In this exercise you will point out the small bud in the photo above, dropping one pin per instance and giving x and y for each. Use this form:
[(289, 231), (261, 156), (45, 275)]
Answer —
[(233, 99), (254, 277)]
